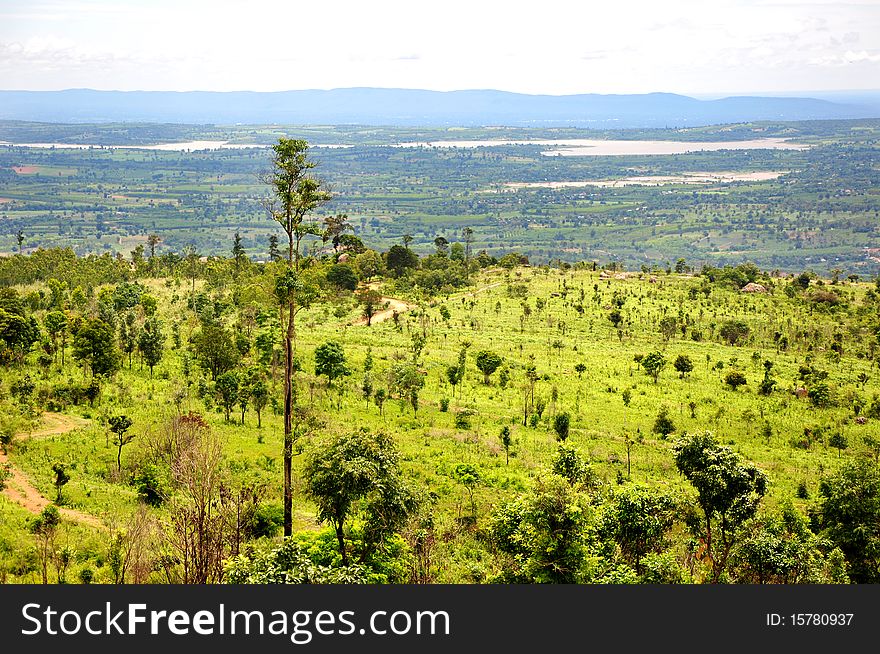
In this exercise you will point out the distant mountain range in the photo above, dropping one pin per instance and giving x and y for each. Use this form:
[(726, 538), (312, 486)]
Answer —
[(411, 107)]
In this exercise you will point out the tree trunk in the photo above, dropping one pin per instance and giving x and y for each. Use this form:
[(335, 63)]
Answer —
[(340, 536), (288, 431), (709, 546)]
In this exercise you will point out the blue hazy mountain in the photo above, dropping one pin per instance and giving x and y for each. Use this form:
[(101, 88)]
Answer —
[(411, 107)]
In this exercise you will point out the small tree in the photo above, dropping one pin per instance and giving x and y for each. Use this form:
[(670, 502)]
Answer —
[(227, 388), (663, 425), (330, 361), (453, 376), (668, 327), (400, 259), (370, 300), (506, 442), (44, 528), (95, 346), (638, 519), (342, 276), (119, 425), (367, 388), (849, 515), (61, 479), (487, 363), (838, 441), (215, 350), (820, 395), (683, 365), (653, 363), (56, 324), (729, 491), (735, 379), (545, 534), (407, 381), (358, 469), (379, 398), (580, 369), (616, 317), (734, 331), (468, 475), (237, 252), (243, 397), (561, 422), (259, 398), (568, 463), (151, 343)]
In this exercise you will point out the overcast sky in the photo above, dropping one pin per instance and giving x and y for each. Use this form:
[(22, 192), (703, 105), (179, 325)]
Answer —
[(539, 46)]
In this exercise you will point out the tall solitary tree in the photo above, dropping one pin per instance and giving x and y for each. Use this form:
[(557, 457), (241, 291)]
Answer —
[(468, 235), (334, 228), (295, 193), (152, 241), (120, 425), (274, 253), (237, 252)]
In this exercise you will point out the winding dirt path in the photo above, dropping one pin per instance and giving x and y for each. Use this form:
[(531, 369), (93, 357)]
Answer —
[(386, 314), (399, 306), (20, 489)]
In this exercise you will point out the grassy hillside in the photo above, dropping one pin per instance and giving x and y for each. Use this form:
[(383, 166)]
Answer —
[(561, 320)]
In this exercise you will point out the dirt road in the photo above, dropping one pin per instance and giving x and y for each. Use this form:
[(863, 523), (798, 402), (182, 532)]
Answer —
[(20, 489), (399, 306)]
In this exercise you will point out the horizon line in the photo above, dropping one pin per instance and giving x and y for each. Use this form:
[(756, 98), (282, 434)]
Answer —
[(701, 96)]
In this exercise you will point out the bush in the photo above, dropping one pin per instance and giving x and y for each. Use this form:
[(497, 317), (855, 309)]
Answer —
[(463, 418), (663, 425), (820, 395), (342, 276), (264, 522), (802, 492), (151, 484), (561, 423), (734, 331), (735, 379)]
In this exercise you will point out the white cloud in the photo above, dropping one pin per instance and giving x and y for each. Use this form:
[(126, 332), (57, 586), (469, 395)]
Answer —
[(554, 46)]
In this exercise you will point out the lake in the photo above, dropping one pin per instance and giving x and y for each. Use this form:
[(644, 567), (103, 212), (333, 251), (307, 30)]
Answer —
[(556, 147), (609, 148)]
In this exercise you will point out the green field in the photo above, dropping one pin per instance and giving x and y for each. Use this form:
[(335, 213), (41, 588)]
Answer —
[(821, 213)]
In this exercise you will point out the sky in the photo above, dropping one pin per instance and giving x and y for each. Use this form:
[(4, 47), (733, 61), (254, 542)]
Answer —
[(695, 47)]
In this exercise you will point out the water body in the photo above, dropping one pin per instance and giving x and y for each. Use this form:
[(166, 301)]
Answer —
[(556, 147), (656, 180), (187, 146), (609, 148)]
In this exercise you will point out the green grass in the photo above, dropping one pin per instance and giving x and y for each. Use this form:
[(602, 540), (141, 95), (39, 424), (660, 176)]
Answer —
[(431, 445)]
